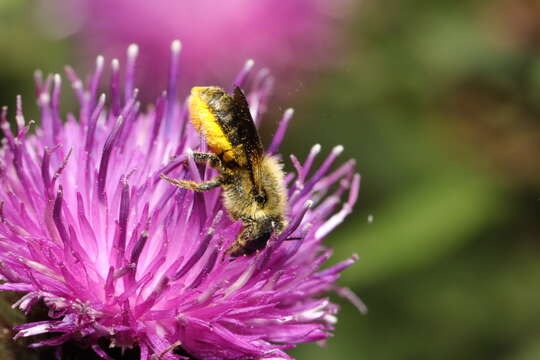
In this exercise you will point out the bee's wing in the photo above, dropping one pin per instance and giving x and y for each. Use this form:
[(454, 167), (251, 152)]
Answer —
[(248, 136)]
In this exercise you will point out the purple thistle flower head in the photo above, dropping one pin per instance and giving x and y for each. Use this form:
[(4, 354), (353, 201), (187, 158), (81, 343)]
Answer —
[(88, 227), (285, 35)]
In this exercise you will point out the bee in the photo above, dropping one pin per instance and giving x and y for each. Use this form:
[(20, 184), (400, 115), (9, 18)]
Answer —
[(252, 182)]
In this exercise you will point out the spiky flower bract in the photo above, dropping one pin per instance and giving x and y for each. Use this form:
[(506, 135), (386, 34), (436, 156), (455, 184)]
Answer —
[(88, 227)]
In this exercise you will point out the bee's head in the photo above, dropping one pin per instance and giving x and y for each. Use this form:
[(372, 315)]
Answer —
[(255, 236)]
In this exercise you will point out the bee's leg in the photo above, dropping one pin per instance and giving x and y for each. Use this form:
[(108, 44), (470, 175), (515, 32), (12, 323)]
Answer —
[(215, 162), (192, 185), (238, 248)]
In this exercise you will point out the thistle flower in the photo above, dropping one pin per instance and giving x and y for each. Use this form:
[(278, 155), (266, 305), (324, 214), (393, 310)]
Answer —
[(88, 227), (285, 35)]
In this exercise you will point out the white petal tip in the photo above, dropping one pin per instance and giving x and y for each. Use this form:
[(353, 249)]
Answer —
[(338, 149), (176, 46), (249, 63), (289, 113), (132, 50)]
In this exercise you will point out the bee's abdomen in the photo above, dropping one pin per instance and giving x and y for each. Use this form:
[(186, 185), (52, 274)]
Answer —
[(214, 115)]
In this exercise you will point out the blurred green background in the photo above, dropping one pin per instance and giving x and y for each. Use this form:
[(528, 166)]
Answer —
[(439, 103)]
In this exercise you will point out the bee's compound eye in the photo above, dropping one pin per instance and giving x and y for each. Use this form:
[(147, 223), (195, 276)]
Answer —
[(260, 199)]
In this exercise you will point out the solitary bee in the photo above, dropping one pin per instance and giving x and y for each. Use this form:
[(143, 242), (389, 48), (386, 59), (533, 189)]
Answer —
[(252, 182)]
